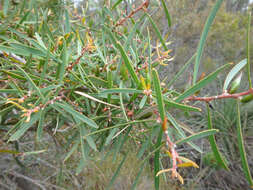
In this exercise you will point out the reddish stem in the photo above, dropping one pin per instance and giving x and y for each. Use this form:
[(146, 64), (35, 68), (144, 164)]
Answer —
[(221, 96)]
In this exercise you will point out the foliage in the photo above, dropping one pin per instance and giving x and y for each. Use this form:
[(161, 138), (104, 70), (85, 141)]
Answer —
[(92, 83)]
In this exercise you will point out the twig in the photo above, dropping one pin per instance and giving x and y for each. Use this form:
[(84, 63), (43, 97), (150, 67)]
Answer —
[(143, 6), (221, 96), (77, 60)]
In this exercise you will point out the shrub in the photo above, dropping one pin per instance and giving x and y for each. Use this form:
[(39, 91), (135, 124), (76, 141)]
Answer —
[(92, 84)]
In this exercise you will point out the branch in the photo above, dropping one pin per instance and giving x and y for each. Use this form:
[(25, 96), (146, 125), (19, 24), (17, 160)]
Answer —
[(143, 6), (221, 96)]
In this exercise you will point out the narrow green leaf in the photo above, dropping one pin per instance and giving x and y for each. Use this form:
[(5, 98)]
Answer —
[(116, 173), (161, 110), (83, 160), (40, 125), (197, 136), (72, 150), (186, 65), (173, 104), (67, 23), (77, 114), (122, 103), (243, 156), (11, 91), (31, 82), (121, 90), (62, 66), (233, 72), (248, 48), (33, 152), (5, 7), (159, 95), (143, 101), (159, 35), (120, 125), (138, 176), (166, 13), (110, 136), (202, 41), (174, 123), (25, 126), (201, 84), (125, 58), (27, 51), (213, 144), (116, 4), (143, 148), (97, 81), (40, 40), (91, 143), (129, 39)]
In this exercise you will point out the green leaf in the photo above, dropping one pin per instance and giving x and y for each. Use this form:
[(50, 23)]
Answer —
[(120, 125), (110, 136), (115, 175), (181, 132), (213, 144), (248, 48), (159, 95), (166, 13), (40, 40), (31, 82), (159, 35), (197, 136), (72, 150), (235, 84), (5, 7), (91, 143), (173, 104), (122, 103), (233, 72), (67, 23), (25, 126), (243, 156), (40, 126), (202, 41), (33, 152), (125, 58), (62, 66), (186, 65), (11, 91), (26, 51), (77, 114), (161, 110), (97, 80), (201, 84), (143, 148), (138, 176), (116, 4), (29, 50), (121, 90)]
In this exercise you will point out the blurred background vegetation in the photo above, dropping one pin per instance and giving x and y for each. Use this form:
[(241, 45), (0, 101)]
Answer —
[(225, 43)]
